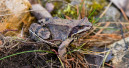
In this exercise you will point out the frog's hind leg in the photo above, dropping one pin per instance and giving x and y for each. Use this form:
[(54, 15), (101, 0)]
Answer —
[(36, 30)]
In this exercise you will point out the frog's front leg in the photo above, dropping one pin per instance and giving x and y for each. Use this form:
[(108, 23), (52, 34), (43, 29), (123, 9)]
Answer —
[(62, 48)]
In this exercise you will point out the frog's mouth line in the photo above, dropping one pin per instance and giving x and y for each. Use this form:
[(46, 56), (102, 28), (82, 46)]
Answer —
[(79, 29)]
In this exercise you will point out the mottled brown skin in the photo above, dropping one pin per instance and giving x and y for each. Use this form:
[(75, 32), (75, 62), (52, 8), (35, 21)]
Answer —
[(40, 31), (59, 29)]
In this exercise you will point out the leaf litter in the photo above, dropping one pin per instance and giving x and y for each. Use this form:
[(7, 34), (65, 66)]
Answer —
[(79, 53)]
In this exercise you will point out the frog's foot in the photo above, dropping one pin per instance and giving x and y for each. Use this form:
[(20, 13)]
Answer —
[(62, 48)]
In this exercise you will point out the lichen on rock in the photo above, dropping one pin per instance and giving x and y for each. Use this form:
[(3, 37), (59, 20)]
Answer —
[(13, 13)]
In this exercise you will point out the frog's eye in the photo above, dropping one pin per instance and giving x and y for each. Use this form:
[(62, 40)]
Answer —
[(81, 27), (78, 28), (75, 30)]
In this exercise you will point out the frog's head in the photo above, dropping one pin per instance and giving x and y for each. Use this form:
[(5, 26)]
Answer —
[(83, 26)]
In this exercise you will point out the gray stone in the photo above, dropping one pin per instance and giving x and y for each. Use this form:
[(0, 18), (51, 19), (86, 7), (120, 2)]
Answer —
[(112, 14), (121, 53)]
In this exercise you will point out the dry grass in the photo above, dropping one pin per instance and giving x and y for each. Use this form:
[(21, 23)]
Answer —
[(77, 51)]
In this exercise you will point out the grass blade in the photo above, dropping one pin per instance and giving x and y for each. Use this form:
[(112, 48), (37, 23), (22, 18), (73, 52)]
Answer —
[(25, 52)]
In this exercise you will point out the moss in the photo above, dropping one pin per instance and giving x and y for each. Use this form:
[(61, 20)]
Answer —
[(96, 5), (64, 8), (68, 10), (68, 1)]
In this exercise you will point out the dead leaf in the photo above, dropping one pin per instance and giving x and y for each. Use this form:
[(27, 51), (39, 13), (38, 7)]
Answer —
[(79, 17), (83, 9)]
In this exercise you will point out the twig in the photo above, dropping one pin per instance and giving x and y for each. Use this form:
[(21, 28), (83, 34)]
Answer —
[(78, 12), (8, 30), (122, 33), (124, 14), (105, 10), (109, 65), (124, 23), (94, 28), (106, 25)]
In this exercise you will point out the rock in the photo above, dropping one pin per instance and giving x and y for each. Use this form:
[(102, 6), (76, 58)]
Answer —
[(14, 12), (124, 4), (112, 14), (120, 51), (97, 59), (40, 12), (49, 7), (94, 60)]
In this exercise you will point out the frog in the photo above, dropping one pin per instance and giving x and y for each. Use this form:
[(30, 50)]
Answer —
[(59, 29)]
